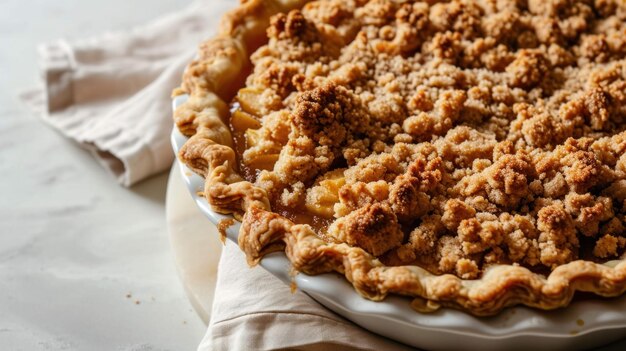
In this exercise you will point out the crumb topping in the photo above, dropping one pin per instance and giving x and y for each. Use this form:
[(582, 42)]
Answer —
[(453, 135)]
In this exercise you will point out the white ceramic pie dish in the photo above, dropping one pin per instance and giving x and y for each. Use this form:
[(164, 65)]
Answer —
[(582, 325)]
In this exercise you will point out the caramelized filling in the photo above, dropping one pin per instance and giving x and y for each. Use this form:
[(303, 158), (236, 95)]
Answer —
[(241, 132), (239, 139)]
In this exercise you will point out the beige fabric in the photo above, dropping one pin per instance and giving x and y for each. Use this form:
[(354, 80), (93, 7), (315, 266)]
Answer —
[(253, 310), (111, 94)]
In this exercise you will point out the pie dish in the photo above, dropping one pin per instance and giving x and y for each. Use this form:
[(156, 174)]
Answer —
[(468, 154)]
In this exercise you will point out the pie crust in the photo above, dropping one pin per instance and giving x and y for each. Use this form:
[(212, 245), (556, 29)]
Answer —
[(566, 184)]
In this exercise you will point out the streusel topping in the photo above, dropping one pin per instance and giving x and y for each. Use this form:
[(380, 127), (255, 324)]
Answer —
[(453, 135)]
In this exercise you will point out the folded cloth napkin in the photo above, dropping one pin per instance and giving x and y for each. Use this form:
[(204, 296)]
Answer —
[(111, 94), (253, 310)]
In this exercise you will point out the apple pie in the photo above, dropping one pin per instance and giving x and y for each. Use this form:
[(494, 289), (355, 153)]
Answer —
[(468, 154)]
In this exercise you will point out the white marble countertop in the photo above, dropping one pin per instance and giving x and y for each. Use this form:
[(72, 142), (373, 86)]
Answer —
[(85, 264)]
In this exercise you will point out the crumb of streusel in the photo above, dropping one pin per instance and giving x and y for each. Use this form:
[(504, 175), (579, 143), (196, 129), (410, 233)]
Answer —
[(472, 133)]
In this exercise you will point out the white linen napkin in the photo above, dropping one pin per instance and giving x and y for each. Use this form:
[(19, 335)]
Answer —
[(253, 310), (111, 94)]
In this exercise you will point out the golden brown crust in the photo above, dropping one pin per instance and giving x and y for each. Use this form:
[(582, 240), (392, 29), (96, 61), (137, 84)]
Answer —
[(500, 286), (477, 144), (211, 79)]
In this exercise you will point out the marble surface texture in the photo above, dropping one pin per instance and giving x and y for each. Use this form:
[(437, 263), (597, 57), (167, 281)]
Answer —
[(85, 264)]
